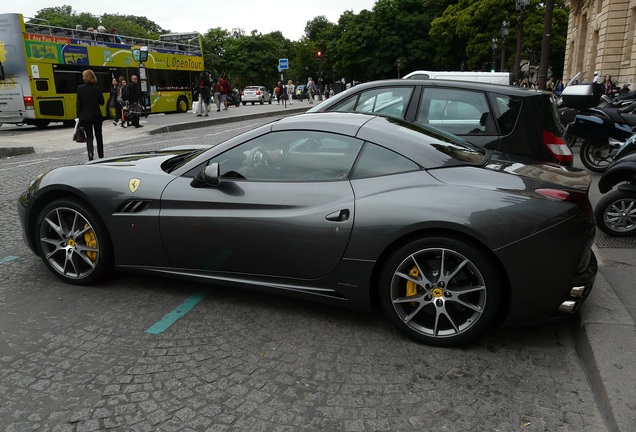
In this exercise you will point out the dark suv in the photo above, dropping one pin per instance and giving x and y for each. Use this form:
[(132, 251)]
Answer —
[(506, 119)]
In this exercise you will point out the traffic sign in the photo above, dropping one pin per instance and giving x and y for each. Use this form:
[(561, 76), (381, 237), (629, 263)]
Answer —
[(283, 63)]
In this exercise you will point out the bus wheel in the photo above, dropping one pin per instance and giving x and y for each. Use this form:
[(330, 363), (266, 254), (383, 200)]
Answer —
[(182, 105), (41, 124)]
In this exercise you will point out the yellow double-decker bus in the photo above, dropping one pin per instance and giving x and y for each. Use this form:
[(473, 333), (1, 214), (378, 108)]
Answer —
[(41, 67)]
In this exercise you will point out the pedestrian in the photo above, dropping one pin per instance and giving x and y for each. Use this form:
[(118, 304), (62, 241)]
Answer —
[(122, 102), (558, 88), (112, 99), (225, 89), (290, 91), (311, 88), (216, 91), (134, 101), (204, 94), (607, 85), (89, 101)]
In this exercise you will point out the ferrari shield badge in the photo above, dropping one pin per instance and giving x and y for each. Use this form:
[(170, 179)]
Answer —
[(133, 184)]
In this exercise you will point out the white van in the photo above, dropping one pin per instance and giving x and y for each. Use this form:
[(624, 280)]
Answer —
[(506, 78)]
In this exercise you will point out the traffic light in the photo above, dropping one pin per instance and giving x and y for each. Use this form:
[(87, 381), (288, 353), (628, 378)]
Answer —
[(319, 56)]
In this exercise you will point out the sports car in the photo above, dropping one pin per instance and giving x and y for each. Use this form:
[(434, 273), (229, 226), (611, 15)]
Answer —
[(347, 209)]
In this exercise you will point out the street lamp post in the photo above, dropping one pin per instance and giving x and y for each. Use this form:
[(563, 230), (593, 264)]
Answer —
[(521, 7), (505, 31), (494, 50)]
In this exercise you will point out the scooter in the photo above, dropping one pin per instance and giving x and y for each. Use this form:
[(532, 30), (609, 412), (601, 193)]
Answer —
[(234, 98), (615, 213), (604, 131)]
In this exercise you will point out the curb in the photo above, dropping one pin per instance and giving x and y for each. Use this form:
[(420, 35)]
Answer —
[(15, 151), (222, 120), (605, 336)]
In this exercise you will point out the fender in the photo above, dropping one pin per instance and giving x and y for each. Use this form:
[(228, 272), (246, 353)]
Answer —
[(591, 125), (620, 171)]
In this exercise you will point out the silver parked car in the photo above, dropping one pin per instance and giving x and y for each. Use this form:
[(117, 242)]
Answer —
[(255, 94)]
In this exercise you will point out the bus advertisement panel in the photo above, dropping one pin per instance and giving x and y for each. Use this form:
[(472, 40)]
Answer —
[(43, 66)]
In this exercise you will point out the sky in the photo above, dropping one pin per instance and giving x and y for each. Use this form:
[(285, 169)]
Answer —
[(288, 16)]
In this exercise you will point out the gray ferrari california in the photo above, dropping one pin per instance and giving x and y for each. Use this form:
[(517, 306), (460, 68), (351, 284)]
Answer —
[(347, 209)]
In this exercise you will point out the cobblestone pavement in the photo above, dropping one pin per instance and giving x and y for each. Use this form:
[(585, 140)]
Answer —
[(80, 359)]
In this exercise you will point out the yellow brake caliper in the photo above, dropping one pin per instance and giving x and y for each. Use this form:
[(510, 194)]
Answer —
[(411, 287), (91, 241)]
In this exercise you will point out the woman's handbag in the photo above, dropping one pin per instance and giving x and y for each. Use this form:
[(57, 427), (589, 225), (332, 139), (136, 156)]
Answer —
[(79, 134)]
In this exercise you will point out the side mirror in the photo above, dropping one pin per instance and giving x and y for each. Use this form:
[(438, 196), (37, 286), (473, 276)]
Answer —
[(209, 176)]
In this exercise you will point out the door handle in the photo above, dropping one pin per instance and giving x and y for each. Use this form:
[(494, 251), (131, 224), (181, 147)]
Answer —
[(338, 216)]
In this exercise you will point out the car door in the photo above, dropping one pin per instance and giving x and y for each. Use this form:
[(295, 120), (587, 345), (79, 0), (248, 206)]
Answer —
[(284, 207)]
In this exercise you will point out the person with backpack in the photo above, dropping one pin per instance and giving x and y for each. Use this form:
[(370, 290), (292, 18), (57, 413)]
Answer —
[(134, 100)]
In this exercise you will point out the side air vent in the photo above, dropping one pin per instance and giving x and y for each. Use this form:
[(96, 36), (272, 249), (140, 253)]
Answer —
[(133, 206)]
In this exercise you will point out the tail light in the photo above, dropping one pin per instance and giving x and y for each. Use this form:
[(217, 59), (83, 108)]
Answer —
[(558, 148), (258, 92), (28, 102), (579, 198)]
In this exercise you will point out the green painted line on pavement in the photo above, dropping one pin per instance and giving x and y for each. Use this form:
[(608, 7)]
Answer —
[(164, 323), (7, 259)]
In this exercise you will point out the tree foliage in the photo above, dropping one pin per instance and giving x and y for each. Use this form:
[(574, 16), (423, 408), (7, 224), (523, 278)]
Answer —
[(395, 37)]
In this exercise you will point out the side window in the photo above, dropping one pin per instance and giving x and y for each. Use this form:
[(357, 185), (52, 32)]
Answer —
[(460, 112), (385, 101), (378, 161), (291, 156), (507, 111)]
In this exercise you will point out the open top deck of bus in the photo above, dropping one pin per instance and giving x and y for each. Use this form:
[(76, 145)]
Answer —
[(174, 44)]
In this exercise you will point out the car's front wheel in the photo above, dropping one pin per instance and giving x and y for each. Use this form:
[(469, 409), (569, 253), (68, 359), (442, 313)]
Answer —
[(73, 242), (615, 213), (440, 291)]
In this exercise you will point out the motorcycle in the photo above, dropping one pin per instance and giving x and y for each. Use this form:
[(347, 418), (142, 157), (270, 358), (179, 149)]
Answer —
[(604, 132), (615, 213), (234, 98)]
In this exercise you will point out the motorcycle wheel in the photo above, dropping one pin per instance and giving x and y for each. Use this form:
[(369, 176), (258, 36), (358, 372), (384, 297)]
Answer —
[(615, 213), (596, 156)]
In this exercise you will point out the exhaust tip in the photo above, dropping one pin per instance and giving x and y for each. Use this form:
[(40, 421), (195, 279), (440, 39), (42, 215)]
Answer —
[(579, 291), (569, 306)]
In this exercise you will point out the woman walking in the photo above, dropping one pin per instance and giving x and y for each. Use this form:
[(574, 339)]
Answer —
[(89, 101)]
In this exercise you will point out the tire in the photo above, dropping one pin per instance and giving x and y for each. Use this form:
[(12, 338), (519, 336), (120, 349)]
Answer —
[(615, 213), (262, 101), (238, 104), (442, 310), (596, 157), (270, 100), (74, 242), (182, 105)]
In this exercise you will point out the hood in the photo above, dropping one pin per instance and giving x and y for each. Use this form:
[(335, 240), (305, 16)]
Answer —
[(175, 155)]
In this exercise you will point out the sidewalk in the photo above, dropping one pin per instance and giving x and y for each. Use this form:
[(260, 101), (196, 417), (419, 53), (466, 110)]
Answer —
[(16, 141), (605, 328)]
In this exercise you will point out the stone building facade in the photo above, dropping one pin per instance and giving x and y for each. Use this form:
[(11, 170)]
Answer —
[(601, 38)]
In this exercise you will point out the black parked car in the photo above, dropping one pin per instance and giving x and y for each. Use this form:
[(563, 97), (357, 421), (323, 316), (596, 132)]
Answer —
[(347, 209), (507, 119)]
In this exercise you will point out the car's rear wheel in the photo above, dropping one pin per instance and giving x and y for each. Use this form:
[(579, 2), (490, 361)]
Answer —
[(73, 242), (615, 213), (262, 101), (440, 291)]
